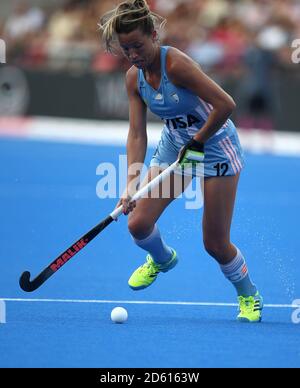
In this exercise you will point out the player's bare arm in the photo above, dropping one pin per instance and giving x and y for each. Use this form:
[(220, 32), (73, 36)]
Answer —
[(137, 135), (136, 140), (185, 73)]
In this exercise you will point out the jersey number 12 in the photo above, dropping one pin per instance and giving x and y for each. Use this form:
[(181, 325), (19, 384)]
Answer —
[(221, 168)]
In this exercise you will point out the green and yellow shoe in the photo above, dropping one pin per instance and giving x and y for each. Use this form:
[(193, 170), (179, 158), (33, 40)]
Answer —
[(250, 308), (145, 275)]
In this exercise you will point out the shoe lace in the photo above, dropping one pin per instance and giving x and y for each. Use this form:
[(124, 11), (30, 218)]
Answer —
[(150, 266), (247, 304)]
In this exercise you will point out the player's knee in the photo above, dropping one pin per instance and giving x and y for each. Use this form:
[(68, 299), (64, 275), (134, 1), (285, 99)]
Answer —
[(217, 248), (138, 227)]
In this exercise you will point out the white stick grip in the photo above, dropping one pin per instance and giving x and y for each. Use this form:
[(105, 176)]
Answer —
[(145, 189)]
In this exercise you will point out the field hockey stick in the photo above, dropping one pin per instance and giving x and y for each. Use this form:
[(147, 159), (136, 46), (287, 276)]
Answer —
[(30, 285)]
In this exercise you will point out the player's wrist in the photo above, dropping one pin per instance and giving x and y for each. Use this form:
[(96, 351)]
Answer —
[(193, 152), (196, 145)]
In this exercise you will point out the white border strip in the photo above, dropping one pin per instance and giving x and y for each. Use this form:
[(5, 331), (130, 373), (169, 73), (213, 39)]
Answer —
[(152, 302), (115, 133), (2, 311)]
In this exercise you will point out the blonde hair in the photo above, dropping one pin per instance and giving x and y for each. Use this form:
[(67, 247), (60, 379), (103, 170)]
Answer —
[(127, 17)]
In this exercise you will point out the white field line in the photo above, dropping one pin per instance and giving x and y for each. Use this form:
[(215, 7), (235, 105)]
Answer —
[(145, 302)]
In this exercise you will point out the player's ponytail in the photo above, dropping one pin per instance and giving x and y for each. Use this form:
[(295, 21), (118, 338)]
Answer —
[(127, 17)]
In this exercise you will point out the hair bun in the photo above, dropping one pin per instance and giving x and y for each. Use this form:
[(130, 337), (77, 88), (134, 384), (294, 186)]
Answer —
[(125, 18), (141, 4)]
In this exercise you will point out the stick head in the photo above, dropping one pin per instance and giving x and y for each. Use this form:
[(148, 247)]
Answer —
[(24, 282)]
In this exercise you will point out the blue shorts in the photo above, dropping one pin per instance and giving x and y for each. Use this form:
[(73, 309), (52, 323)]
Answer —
[(223, 154)]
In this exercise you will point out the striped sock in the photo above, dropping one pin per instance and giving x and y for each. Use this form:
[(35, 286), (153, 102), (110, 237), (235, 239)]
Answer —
[(237, 273), (156, 246)]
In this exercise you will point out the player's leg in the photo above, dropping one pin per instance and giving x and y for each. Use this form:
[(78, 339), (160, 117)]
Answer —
[(219, 198), (145, 233)]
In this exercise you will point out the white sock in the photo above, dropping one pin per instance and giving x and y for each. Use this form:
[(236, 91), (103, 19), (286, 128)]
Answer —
[(156, 246), (237, 273)]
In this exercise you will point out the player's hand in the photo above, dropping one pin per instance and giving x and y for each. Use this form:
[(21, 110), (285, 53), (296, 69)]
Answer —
[(128, 205), (191, 153)]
